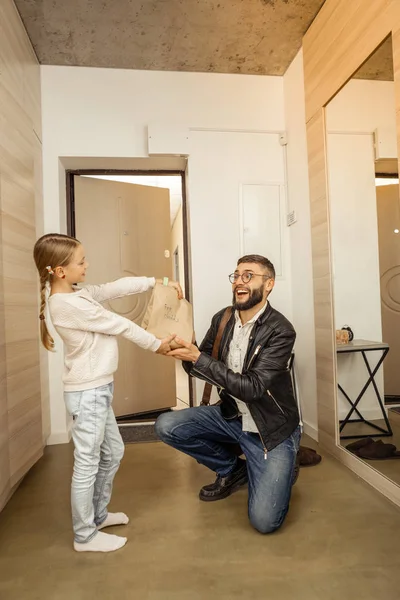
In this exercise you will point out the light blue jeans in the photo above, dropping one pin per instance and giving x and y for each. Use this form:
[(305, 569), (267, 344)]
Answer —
[(98, 452)]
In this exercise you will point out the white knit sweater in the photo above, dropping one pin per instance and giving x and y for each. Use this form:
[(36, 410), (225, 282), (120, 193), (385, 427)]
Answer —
[(89, 331)]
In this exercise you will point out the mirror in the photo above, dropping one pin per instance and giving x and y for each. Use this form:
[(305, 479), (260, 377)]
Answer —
[(364, 205)]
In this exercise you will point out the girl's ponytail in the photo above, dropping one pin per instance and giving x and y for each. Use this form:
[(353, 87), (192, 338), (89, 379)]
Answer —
[(51, 250), (45, 336)]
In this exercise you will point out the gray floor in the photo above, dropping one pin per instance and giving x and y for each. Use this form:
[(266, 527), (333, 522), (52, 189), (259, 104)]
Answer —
[(340, 540)]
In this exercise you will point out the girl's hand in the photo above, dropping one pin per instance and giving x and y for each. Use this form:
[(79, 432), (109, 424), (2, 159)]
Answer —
[(173, 284), (165, 345), (187, 351)]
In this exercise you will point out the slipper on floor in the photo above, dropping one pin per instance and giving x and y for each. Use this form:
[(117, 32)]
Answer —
[(378, 451), (308, 457), (354, 446)]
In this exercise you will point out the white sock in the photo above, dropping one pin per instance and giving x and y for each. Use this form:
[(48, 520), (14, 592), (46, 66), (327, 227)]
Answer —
[(102, 542), (114, 519)]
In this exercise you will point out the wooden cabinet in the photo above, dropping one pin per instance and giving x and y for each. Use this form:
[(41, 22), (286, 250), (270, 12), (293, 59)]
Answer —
[(23, 420)]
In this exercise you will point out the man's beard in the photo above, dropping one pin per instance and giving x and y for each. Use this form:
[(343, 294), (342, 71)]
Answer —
[(255, 297)]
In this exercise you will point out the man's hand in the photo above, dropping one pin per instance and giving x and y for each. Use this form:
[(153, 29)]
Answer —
[(165, 347), (187, 351)]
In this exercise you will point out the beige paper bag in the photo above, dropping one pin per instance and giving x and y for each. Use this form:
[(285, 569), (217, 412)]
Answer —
[(166, 314)]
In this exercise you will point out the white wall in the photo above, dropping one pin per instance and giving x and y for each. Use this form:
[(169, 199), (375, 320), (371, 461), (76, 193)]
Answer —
[(351, 123), (105, 113), (363, 106), (219, 163), (300, 243)]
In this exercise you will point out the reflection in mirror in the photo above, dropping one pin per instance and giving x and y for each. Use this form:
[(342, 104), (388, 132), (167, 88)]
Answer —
[(365, 249)]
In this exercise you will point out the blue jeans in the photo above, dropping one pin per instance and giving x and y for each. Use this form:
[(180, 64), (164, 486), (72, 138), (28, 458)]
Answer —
[(203, 433), (98, 452)]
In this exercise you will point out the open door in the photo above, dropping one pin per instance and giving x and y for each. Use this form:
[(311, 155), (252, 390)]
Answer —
[(125, 229)]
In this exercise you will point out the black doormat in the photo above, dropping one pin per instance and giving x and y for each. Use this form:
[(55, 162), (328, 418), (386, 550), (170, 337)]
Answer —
[(392, 399), (138, 417), (138, 434)]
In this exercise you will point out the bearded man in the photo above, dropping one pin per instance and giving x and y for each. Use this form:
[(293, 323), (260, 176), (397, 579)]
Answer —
[(257, 408)]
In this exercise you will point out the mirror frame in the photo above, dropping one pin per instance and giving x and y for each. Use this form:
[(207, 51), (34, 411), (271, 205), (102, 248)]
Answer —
[(339, 41)]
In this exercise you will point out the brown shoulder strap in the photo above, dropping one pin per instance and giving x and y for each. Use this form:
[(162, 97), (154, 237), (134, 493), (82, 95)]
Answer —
[(217, 342)]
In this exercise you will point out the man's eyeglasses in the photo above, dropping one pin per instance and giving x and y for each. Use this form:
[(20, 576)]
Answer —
[(245, 277)]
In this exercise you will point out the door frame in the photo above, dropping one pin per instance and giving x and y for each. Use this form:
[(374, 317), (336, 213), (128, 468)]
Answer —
[(70, 174)]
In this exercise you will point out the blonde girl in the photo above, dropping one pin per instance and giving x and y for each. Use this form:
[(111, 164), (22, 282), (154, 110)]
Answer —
[(89, 333)]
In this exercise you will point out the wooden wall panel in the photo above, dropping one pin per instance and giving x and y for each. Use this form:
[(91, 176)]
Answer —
[(4, 435), (20, 71), (341, 38), (396, 72), (21, 212)]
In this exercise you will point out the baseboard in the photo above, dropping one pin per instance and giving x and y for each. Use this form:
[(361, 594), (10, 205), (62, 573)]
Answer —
[(141, 417), (310, 430), (59, 437), (371, 414)]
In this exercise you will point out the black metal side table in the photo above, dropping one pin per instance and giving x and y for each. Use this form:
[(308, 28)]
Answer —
[(363, 347)]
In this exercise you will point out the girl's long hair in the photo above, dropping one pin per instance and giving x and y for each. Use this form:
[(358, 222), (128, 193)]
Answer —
[(51, 250)]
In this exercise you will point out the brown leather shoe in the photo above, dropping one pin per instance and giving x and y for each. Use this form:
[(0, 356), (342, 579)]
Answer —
[(225, 486)]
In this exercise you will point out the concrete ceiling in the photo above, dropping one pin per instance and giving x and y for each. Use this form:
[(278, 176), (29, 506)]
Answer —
[(258, 37), (379, 66)]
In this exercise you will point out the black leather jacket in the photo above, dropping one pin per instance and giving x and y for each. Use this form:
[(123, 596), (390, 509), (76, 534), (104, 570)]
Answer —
[(264, 384)]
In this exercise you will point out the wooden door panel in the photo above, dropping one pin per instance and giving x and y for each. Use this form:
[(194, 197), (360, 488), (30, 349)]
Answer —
[(128, 237), (389, 266)]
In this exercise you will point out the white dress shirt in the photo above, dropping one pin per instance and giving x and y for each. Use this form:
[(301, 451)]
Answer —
[(236, 356)]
